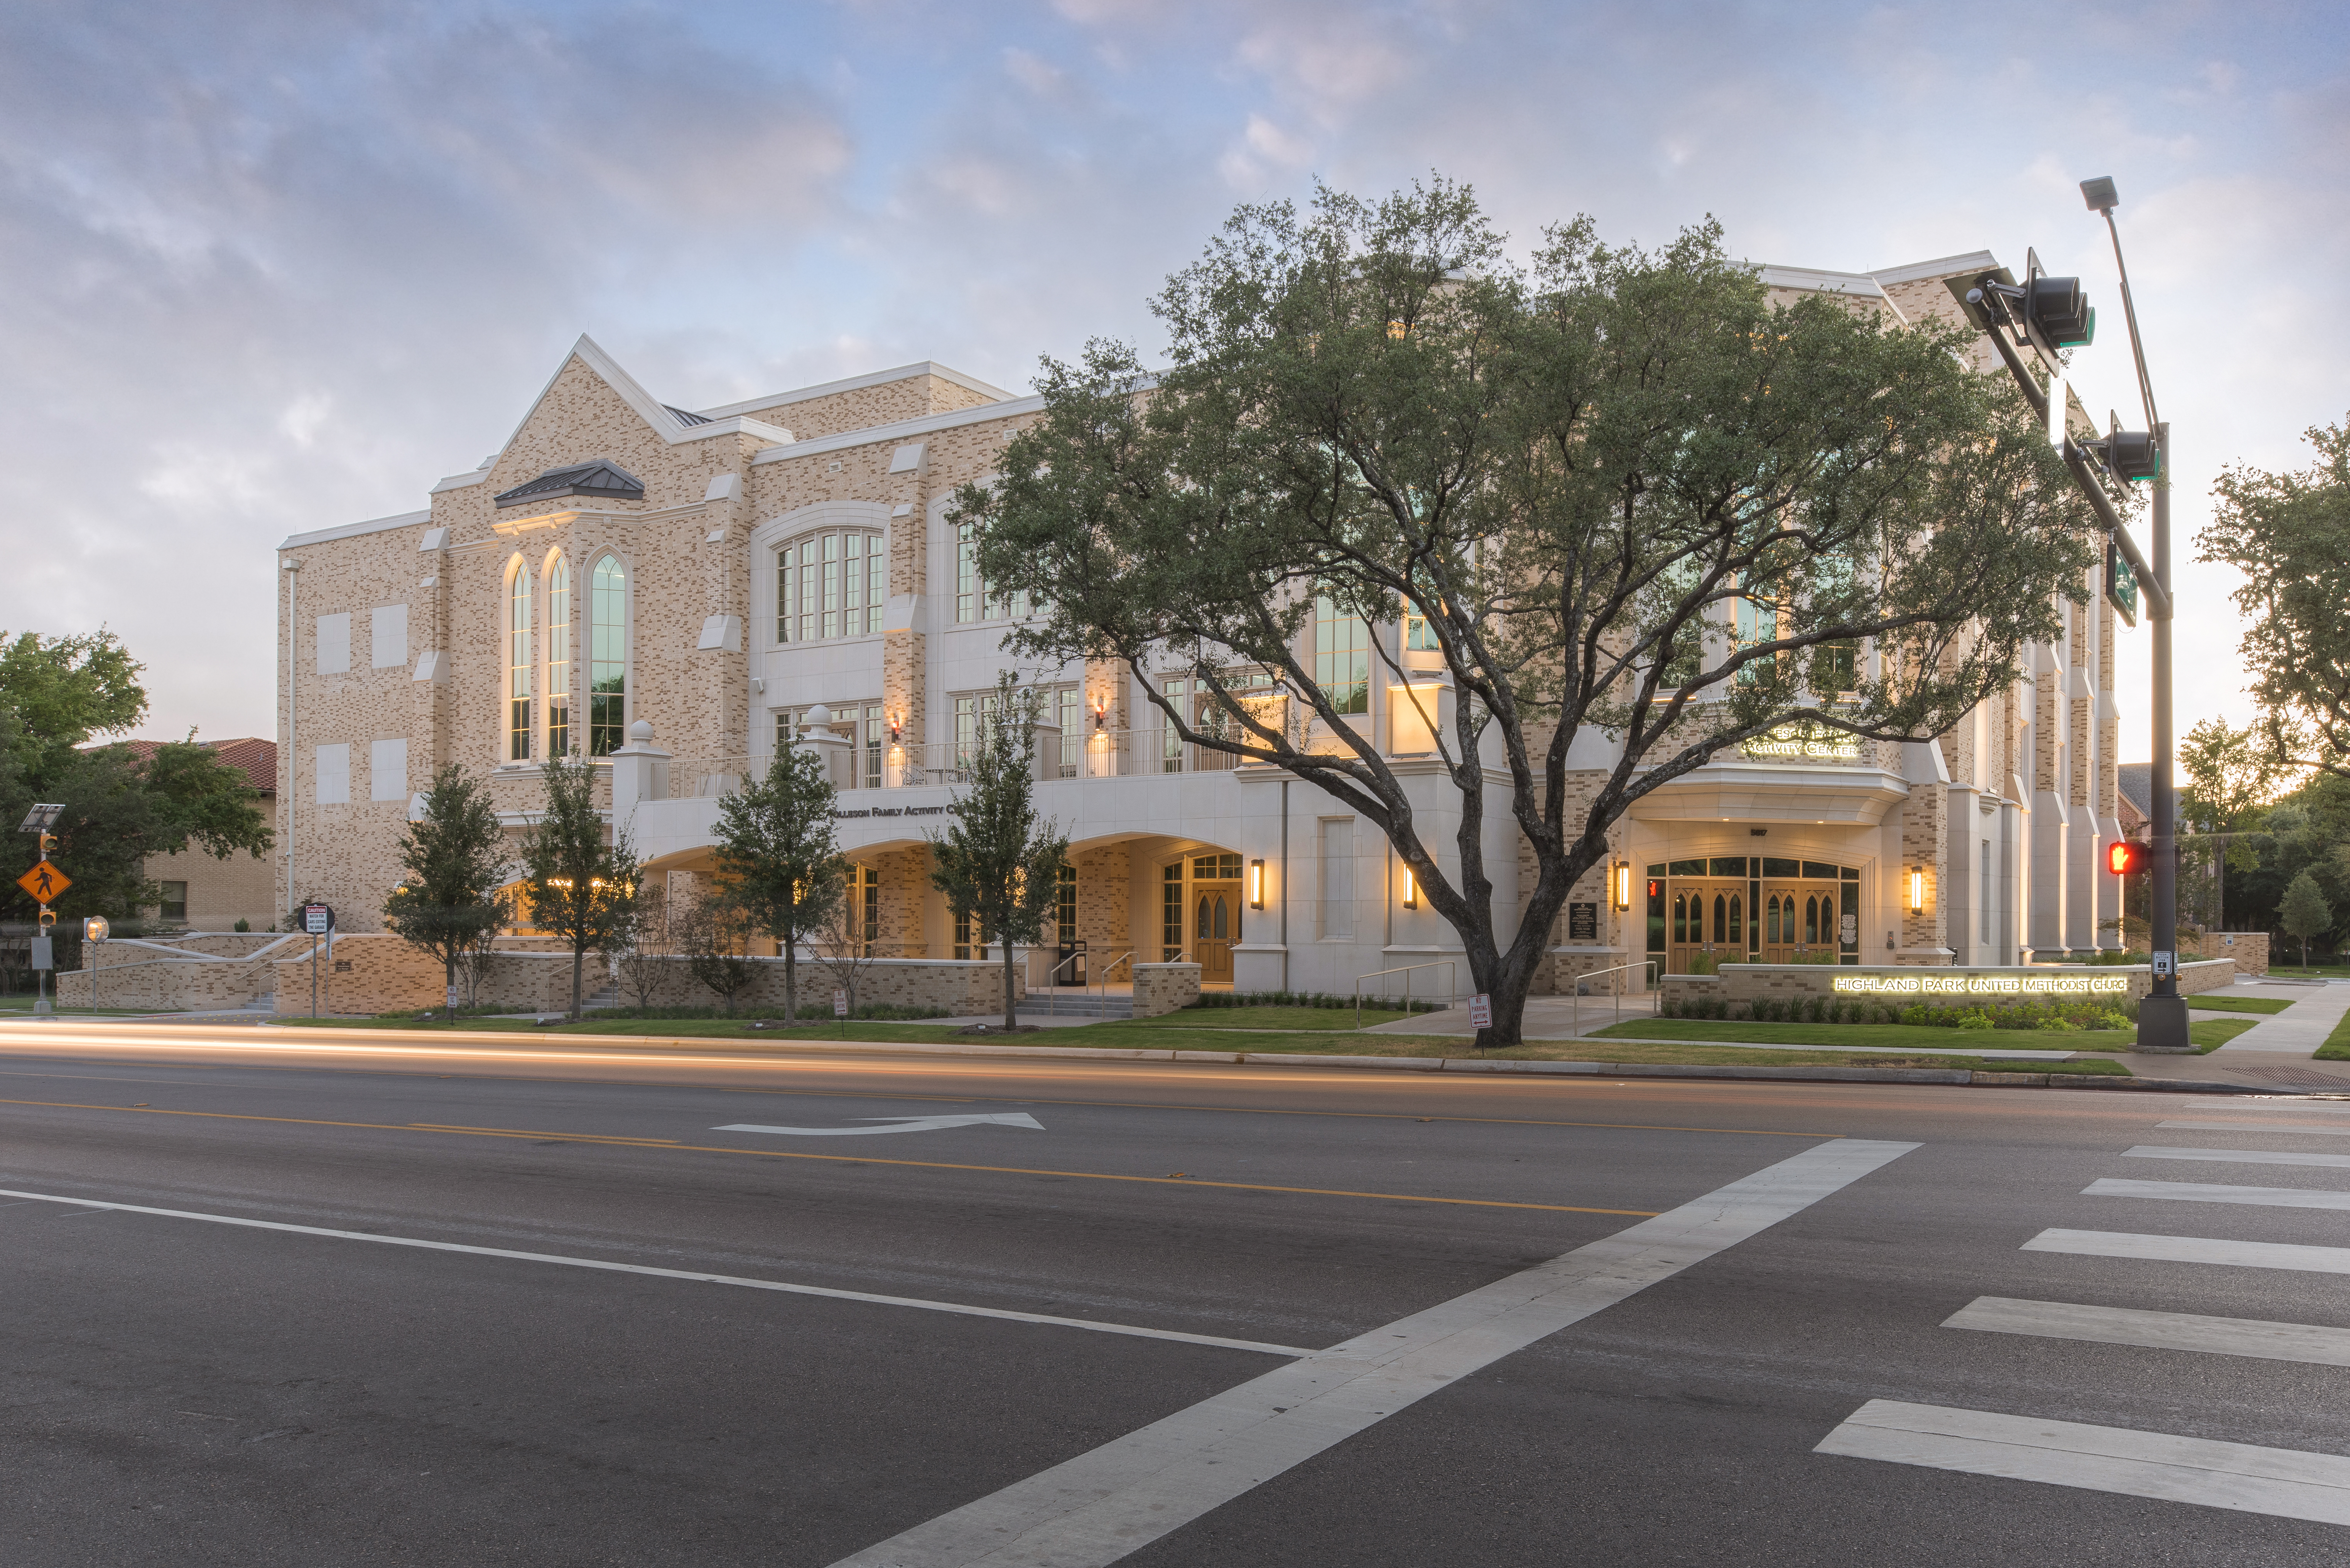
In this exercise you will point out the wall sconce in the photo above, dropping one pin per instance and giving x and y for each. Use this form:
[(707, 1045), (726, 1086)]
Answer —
[(897, 727), (1256, 877), (1917, 892), (1101, 711), (1410, 890), (1622, 880)]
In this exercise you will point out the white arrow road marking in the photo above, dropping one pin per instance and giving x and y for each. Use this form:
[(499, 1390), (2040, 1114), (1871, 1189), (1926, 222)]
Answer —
[(898, 1125)]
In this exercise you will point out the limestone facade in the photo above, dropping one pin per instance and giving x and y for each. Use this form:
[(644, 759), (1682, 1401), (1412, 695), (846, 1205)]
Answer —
[(437, 638)]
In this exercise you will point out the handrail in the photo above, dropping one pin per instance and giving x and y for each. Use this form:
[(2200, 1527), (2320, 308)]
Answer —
[(1105, 976), (1053, 1004), (1451, 985), (1575, 1010)]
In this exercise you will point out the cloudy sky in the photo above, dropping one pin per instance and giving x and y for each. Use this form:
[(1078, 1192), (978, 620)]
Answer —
[(269, 268)]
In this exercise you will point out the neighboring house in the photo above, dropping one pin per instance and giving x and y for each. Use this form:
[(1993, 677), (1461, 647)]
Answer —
[(2135, 798), (206, 894), (674, 594)]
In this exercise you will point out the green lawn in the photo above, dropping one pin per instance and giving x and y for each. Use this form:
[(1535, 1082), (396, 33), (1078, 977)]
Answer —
[(2316, 972), (2337, 1044), (24, 1004), (1318, 1020), (2208, 1034), (2239, 1003), (1181, 1032)]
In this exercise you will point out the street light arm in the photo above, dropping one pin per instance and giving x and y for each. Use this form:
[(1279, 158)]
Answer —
[(2129, 314)]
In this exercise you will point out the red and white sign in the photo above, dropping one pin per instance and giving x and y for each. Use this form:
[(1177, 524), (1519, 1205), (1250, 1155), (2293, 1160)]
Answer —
[(1480, 1011), (840, 1004)]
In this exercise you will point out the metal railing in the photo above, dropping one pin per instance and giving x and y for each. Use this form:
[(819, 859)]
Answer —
[(1104, 992), (1451, 983), (1575, 1011), (1052, 983)]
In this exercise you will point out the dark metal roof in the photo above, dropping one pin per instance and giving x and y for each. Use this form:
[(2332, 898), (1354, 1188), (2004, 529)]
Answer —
[(2136, 783), (685, 418), (602, 480)]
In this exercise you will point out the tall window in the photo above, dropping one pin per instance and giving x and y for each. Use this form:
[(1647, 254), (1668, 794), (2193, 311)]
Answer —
[(1342, 657), (558, 658), (972, 714), (1757, 623), (1065, 908), (1418, 637), (865, 725), (973, 601), (607, 657), (834, 584), (518, 662), (1069, 711), (1170, 913)]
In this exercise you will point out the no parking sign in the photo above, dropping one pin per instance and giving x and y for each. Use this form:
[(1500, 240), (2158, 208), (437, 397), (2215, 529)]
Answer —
[(1480, 1011)]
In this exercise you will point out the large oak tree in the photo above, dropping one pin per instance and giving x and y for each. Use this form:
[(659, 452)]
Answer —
[(1569, 475)]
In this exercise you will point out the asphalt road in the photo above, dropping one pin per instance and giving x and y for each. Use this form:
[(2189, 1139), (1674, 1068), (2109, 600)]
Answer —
[(177, 1389)]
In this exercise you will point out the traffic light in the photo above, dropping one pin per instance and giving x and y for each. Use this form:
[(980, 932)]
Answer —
[(2057, 313), (2130, 456), (2126, 857)]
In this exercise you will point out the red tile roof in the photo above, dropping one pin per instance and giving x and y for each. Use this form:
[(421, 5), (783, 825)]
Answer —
[(256, 758)]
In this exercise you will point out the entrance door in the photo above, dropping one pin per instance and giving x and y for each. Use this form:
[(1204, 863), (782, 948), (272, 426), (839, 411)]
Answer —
[(1705, 920), (1800, 921), (1215, 911)]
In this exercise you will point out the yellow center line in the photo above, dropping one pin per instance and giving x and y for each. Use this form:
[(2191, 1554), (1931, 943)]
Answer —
[(843, 1159), (524, 1132)]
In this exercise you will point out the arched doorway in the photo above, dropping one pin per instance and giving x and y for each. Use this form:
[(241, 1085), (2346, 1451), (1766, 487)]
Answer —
[(1202, 916), (1753, 909)]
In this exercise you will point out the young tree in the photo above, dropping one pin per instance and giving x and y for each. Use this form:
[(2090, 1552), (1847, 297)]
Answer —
[(841, 950), (2289, 535), (2305, 913), (580, 887), (1621, 496), (714, 932), (455, 857), (779, 856), (645, 966), (998, 863), (2230, 775)]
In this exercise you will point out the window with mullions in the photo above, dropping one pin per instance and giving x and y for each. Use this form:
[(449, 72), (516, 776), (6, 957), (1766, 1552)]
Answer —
[(518, 664), (867, 884), (607, 657), (558, 658), (1170, 913), (1418, 637), (834, 584), (1342, 657), (1757, 623), (1065, 907), (972, 600)]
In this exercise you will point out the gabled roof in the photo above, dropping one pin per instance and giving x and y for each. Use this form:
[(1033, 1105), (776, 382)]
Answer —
[(254, 757), (601, 479)]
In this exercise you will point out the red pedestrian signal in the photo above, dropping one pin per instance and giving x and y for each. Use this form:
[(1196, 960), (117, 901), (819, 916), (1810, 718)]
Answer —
[(2125, 857)]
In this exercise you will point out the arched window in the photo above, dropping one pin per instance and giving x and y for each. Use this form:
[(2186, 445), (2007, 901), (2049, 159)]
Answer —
[(518, 664), (833, 584), (607, 657), (558, 656), (1342, 657)]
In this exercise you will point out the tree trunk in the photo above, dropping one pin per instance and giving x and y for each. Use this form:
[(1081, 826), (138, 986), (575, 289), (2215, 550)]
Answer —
[(578, 958), (1011, 1004), (791, 981)]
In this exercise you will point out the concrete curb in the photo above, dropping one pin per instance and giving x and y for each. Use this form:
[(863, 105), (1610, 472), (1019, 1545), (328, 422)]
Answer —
[(1952, 1076)]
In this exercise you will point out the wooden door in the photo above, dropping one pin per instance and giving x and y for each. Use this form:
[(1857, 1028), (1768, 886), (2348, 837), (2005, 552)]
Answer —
[(1704, 919), (1799, 921), (1215, 927)]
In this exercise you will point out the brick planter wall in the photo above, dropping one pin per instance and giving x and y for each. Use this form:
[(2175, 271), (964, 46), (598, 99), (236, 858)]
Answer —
[(1161, 988)]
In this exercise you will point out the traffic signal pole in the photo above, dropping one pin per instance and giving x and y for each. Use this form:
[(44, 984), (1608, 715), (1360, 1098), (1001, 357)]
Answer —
[(2162, 1015)]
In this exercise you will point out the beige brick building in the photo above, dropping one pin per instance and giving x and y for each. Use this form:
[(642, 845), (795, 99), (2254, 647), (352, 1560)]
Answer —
[(672, 592), (205, 893)]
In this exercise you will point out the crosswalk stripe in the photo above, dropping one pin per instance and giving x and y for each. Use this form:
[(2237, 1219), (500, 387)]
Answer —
[(2282, 1483), (2214, 1192), (2193, 1249), (2242, 1157), (2259, 1127), (2301, 1341), (2337, 1108)]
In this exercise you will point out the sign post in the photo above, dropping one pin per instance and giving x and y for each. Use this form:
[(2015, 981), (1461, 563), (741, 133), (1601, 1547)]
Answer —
[(94, 930), (42, 884), (318, 920)]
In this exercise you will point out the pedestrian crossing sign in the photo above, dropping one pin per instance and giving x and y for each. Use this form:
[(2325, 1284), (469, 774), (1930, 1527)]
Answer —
[(45, 882)]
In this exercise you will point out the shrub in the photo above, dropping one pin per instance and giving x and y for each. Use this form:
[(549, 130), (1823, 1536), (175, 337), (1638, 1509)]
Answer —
[(242, 924), (1974, 1018)]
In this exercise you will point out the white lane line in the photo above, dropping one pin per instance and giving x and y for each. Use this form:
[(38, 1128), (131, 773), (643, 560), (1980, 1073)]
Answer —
[(2158, 1330), (2259, 1127), (2193, 1249), (2240, 1157), (2214, 1192), (2284, 1482), (903, 1124), (957, 1308), (1101, 1506)]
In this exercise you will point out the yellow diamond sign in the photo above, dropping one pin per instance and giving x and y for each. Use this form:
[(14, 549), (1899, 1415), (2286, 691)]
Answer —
[(45, 882)]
